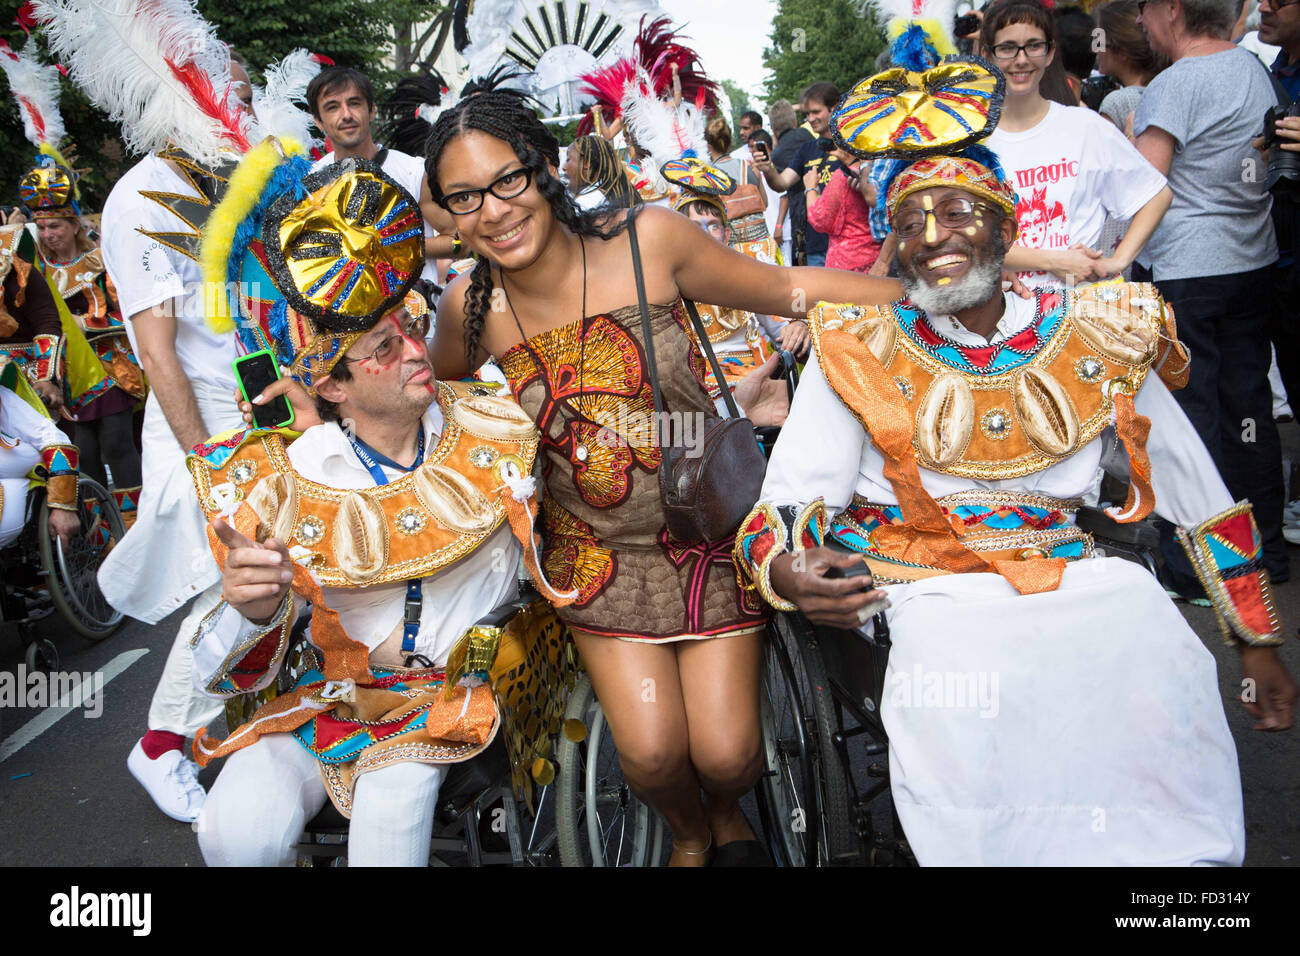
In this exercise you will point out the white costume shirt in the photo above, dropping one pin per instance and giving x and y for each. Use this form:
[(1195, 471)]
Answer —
[(23, 433), (1098, 736), (164, 559), (454, 599)]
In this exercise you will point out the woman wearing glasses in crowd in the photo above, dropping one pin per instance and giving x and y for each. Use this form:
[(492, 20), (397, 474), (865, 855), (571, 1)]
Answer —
[(671, 642), (1070, 167)]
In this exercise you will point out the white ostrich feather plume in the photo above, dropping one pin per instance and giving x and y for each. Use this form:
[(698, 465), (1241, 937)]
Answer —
[(35, 86), (660, 129), (156, 67), (276, 103)]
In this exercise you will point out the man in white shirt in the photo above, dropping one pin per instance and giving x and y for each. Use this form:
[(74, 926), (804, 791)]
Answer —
[(342, 101), (163, 561), (948, 439), (400, 528)]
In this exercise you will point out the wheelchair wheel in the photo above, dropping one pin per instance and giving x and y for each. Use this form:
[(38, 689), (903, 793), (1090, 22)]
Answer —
[(598, 820), (833, 793), (783, 805), (42, 655), (70, 573)]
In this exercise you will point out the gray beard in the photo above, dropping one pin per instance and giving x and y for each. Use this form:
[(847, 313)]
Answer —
[(982, 283)]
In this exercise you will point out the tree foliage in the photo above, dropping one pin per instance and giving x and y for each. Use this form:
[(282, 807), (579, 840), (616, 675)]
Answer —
[(385, 38), (815, 40), (738, 103)]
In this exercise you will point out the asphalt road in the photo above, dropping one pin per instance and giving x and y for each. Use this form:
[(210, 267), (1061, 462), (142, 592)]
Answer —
[(67, 799)]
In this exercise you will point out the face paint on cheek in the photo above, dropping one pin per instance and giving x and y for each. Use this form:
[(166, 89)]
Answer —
[(970, 230), (944, 281)]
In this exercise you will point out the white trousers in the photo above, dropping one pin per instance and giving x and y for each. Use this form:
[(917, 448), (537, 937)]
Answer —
[(13, 509), (1078, 727), (267, 792), (177, 705)]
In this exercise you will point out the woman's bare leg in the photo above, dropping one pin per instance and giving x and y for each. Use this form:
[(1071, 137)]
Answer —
[(640, 691), (719, 680)]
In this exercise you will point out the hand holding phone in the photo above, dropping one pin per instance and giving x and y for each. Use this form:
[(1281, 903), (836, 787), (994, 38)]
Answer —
[(759, 149), (254, 372)]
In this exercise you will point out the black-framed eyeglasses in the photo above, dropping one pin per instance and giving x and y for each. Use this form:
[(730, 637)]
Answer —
[(951, 213), (1034, 49), (1274, 5), (507, 186), (413, 327)]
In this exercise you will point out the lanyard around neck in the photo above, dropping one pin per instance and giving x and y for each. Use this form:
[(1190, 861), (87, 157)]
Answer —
[(374, 461)]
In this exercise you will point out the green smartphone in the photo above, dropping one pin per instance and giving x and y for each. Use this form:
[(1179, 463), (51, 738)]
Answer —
[(254, 372)]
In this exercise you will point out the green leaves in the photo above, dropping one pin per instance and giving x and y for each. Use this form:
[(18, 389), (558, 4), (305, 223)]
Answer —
[(815, 40)]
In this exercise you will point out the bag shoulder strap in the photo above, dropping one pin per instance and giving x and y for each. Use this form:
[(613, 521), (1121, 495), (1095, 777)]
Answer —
[(705, 347), (647, 331)]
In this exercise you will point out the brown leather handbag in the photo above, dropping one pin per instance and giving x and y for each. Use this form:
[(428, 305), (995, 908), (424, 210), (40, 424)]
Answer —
[(745, 201), (707, 494)]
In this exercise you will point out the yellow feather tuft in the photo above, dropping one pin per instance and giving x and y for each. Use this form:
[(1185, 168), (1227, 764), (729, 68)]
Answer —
[(936, 32), (243, 190), (52, 152)]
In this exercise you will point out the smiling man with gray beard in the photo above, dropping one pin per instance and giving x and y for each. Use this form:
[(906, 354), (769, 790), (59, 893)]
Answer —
[(948, 440)]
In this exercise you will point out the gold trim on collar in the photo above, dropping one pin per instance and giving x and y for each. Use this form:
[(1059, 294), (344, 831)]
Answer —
[(1029, 418)]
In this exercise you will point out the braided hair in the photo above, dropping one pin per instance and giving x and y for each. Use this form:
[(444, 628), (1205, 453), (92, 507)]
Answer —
[(507, 115)]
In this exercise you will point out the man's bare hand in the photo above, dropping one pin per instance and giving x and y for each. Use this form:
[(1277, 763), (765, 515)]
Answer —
[(1288, 130), (1275, 688), (795, 338), (304, 409), (257, 576), (833, 602), (766, 401), (64, 525)]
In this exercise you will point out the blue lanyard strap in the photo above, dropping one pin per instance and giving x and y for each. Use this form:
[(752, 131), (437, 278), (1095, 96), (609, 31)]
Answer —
[(373, 461)]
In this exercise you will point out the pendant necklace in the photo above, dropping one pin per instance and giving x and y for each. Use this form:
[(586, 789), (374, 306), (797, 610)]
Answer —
[(580, 451)]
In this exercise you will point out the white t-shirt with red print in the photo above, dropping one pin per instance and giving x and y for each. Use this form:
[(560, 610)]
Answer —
[(1069, 172)]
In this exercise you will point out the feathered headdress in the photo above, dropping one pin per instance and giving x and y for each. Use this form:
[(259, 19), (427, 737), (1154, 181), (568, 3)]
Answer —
[(276, 103), (655, 51), (926, 114), (662, 129), (35, 87), (49, 189), (410, 110), (156, 67)]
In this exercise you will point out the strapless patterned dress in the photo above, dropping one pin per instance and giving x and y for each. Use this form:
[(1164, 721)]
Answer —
[(604, 533)]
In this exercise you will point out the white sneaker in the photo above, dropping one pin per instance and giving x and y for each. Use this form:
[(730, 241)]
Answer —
[(171, 780)]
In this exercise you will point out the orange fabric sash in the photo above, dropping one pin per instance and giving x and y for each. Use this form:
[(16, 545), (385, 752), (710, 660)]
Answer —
[(1133, 432), (927, 535)]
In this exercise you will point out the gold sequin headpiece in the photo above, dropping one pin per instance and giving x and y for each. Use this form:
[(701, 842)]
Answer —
[(693, 180), (905, 114), (343, 256), (49, 190)]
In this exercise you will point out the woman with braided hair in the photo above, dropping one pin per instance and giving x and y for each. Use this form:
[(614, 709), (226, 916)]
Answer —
[(671, 642), (596, 175)]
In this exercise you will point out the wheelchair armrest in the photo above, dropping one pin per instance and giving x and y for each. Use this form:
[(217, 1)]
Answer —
[(1096, 522)]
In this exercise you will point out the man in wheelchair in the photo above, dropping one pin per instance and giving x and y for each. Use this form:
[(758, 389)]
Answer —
[(401, 519), (32, 445), (948, 439)]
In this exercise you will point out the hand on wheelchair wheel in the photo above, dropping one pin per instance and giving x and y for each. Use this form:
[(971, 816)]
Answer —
[(845, 601), (64, 525)]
